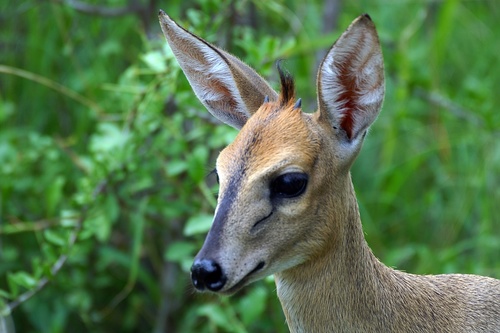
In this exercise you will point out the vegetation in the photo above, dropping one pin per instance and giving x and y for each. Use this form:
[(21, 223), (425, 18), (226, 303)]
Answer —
[(105, 154)]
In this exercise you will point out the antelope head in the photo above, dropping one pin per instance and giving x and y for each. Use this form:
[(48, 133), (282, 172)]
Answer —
[(282, 181)]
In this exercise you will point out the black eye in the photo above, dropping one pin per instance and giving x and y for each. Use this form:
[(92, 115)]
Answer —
[(289, 185)]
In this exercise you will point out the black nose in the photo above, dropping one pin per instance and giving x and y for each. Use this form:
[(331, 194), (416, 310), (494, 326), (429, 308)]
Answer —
[(206, 273)]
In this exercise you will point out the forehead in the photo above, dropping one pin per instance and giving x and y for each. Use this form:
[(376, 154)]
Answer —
[(273, 138)]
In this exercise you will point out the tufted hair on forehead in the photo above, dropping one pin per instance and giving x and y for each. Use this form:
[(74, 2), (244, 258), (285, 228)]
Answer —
[(287, 94)]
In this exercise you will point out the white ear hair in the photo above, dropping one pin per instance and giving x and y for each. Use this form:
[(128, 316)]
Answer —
[(351, 79), (228, 88)]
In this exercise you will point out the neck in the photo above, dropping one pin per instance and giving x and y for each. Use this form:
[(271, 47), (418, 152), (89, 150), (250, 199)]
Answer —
[(339, 282)]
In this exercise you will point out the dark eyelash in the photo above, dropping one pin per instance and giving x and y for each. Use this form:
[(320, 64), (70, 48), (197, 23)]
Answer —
[(213, 172)]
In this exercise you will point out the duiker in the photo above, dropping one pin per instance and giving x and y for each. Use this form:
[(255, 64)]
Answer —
[(287, 205)]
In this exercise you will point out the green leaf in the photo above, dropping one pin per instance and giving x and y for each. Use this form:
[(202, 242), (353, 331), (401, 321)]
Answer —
[(111, 209), (53, 194), (197, 160), (22, 279), (69, 218), (80, 299), (56, 237), (182, 253), (99, 225), (7, 109), (155, 60), (198, 224), (175, 167), (4, 294), (109, 138), (252, 305), (178, 251), (216, 314)]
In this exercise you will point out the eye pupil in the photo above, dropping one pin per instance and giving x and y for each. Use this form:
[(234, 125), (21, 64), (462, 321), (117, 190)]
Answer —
[(289, 185)]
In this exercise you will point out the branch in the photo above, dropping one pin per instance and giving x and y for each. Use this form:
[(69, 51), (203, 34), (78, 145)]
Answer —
[(457, 110), (18, 226), (331, 11), (63, 257), (52, 85), (86, 8)]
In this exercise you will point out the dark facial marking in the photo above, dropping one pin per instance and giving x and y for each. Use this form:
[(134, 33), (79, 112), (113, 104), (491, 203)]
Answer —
[(262, 219)]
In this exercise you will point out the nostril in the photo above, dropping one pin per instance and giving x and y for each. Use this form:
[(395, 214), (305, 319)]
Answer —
[(257, 268), (260, 266), (206, 273)]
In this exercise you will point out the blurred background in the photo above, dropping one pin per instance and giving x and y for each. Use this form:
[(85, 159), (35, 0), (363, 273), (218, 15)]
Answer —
[(105, 153)]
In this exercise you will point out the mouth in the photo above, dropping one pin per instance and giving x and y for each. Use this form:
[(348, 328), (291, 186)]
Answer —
[(245, 279)]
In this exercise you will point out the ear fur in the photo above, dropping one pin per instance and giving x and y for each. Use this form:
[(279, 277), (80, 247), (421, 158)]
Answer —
[(229, 89), (350, 80)]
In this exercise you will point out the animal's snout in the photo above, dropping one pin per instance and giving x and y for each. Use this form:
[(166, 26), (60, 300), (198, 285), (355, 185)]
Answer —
[(207, 274)]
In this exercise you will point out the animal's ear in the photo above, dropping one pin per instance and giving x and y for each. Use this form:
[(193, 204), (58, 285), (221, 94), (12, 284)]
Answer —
[(228, 88), (351, 80)]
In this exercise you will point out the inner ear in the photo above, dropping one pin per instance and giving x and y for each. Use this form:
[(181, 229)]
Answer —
[(347, 99), (351, 79)]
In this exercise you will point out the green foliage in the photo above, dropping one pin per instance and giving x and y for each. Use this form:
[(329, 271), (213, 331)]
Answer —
[(105, 154)]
